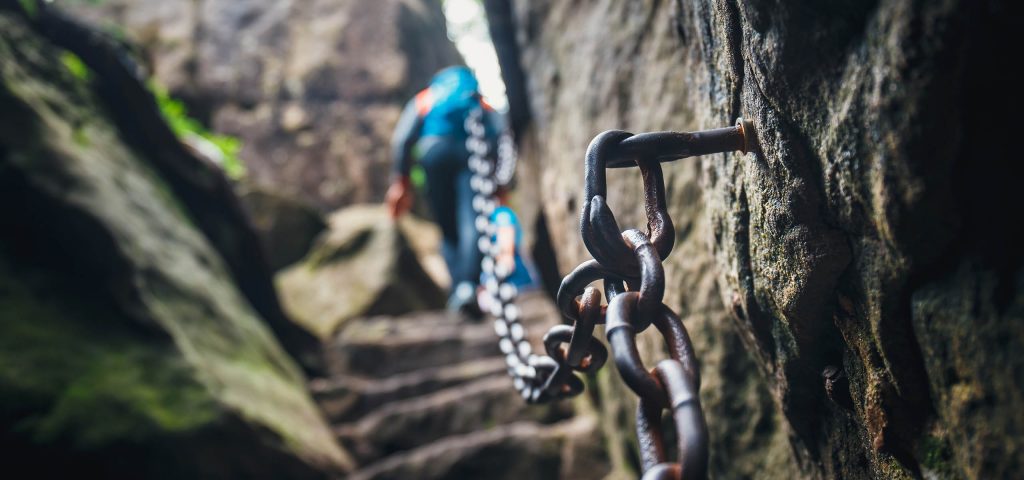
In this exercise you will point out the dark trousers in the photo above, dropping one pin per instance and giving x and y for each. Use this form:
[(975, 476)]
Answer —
[(451, 200)]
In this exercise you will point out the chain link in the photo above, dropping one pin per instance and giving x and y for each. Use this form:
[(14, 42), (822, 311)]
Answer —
[(629, 263), (538, 378)]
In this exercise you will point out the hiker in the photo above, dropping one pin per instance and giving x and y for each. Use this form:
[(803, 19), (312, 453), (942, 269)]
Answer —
[(432, 132)]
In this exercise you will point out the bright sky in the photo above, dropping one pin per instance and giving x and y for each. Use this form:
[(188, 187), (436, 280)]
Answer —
[(467, 27)]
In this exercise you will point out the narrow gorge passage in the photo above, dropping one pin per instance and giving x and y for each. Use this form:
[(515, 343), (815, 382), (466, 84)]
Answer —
[(200, 276)]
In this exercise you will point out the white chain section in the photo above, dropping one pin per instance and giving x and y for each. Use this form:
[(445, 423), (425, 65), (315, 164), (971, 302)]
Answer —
[(489, 175)]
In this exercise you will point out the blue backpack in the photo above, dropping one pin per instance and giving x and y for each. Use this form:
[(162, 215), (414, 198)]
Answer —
[(444, 105)]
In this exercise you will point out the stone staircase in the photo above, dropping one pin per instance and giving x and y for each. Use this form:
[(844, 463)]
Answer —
[(426, 396)]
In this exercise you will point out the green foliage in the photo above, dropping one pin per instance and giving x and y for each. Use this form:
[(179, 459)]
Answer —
[(76, 66), (30, 7), (184, 126)]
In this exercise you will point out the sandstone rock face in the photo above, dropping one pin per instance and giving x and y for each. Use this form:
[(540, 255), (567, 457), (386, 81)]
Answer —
[(129, 347), (313, 88), (863, 235)]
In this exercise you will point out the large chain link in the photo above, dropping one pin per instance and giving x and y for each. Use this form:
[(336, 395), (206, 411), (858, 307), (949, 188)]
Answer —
[(629, 263)]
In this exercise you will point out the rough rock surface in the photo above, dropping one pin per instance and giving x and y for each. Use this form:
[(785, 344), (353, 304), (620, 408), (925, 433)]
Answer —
[(426, 396), (872, 232), (365, 264), (129, 347), (287, 227), (313, 88)]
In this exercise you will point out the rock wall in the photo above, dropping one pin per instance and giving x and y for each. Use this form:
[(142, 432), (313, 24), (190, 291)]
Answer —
[(870, 237), (313, 88), (139, 316)]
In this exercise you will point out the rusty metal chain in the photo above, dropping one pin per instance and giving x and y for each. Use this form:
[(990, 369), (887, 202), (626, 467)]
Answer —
[(529, 371), (538, 378), (629, 263)]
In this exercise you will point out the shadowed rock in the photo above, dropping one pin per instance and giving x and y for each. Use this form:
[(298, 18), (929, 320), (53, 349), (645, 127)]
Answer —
[(287, 227), (129, 347)]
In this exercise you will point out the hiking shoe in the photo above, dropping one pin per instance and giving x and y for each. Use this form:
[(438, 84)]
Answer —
[(463, 300)]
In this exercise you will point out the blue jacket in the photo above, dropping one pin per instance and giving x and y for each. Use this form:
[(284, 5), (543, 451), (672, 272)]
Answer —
[(440, 110)]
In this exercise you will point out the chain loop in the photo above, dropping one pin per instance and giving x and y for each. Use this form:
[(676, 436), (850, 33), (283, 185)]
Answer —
[(598, 226), (687, 418), (621, 332), (629, 264), (582, 339), (674, 384)]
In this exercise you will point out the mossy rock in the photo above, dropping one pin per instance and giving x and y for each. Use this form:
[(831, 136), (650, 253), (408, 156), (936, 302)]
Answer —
[(126, 347)]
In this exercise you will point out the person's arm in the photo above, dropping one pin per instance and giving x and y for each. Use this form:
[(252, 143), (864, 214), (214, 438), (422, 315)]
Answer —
[(505, 238), (400, 194), (407, 132)]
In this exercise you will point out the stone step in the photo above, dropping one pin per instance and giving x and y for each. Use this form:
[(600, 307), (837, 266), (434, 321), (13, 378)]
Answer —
[(411, 423), (518, 450), (385, 346), (403, 387), (347, 397)]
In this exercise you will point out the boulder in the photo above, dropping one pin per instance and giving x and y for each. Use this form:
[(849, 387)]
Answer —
[(287, 226), (132, 342), (869, 237), (363, 265)]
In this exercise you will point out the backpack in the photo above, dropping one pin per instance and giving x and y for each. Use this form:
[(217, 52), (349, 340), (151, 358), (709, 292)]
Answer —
[(446, 103)]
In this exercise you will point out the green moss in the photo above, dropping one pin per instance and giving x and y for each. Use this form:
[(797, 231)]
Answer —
[(68, 371), (135, 394), (76, 66), (30, 7), (184, 126), (936, 455), (80, 137), (328, 254)]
